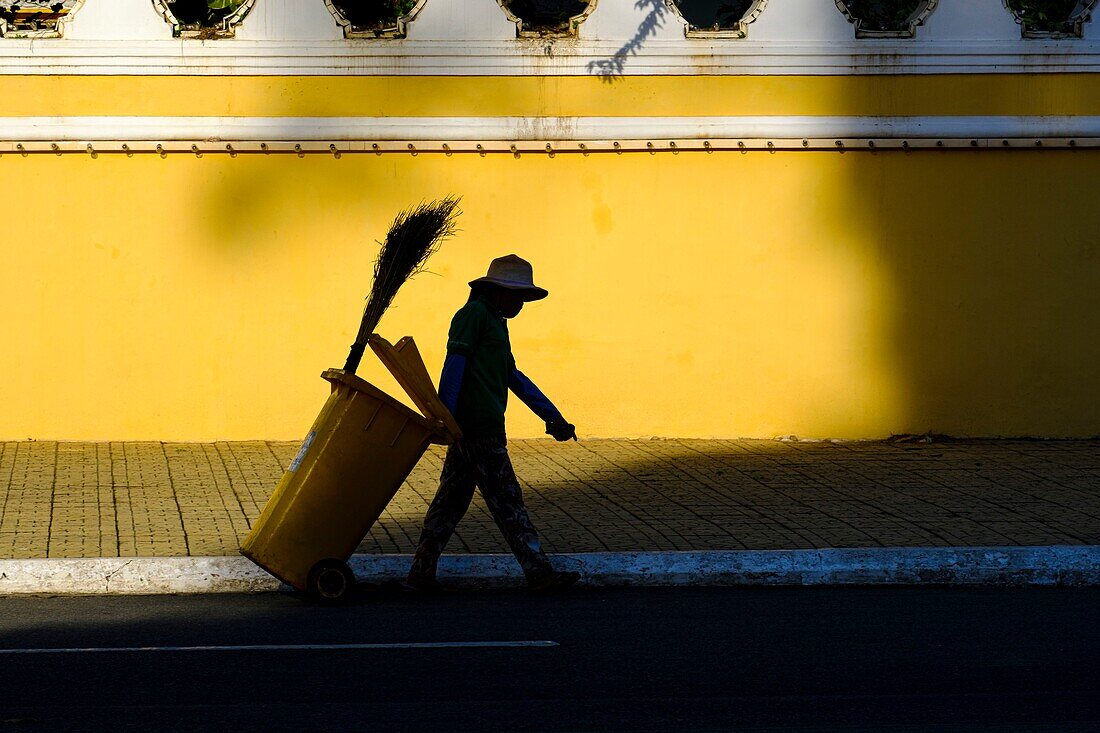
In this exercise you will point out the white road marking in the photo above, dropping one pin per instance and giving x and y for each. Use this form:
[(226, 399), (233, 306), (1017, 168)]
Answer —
[(287, 647)]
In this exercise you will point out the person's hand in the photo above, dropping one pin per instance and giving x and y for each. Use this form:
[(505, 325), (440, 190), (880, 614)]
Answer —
[(561, 430)]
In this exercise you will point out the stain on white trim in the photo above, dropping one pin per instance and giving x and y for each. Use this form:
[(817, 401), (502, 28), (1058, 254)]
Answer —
[(244, 129)]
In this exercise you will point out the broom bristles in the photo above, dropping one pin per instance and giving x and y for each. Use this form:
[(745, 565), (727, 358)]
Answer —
[(413, 237)]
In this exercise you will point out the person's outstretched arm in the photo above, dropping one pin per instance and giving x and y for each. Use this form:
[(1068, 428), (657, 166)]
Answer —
[(541, 405)]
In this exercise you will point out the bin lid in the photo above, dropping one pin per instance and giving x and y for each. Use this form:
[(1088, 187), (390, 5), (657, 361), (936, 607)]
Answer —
[(361, 385), (404, 362)]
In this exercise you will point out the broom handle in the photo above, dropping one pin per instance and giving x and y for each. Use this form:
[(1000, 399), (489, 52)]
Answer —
[(360, 345), (354, 357)]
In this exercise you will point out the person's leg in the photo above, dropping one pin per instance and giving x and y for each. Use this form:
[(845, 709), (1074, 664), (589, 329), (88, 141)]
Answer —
[(497, 480), (452, 499)]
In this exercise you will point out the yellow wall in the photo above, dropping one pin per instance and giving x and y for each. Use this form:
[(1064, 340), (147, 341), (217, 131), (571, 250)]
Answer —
[(725, 294), (822, 294), (959, 94)]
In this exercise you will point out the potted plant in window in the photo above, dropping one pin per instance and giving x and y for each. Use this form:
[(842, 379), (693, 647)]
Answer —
[(718, 18), (375, 19), (204, 19), (1051, 18)]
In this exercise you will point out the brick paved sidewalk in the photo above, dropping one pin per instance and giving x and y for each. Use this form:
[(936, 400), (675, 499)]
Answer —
[(165, 499)]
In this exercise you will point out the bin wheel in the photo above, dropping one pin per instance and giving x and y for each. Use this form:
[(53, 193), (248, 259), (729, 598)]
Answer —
[(330, 580)]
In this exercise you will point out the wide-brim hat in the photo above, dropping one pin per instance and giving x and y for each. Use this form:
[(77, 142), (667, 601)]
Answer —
[(513, 273)]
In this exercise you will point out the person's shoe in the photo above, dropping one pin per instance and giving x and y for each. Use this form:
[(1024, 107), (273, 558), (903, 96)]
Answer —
[(422, 584), (552, 582)]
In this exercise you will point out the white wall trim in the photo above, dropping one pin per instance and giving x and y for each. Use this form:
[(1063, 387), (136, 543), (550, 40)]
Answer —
[(442, 129), (541, 57)]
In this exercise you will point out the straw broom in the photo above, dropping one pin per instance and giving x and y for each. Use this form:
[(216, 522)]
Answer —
[(414, 235)]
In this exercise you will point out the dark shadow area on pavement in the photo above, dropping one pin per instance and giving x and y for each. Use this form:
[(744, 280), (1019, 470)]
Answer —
[(727, 495)]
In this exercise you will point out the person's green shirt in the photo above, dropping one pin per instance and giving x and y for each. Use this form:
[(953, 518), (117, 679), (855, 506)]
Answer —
[(481, 335)]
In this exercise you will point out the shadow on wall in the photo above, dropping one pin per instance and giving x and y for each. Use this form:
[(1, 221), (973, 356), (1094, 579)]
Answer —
[(710, 15), (611, 69), (993, 261), (258, 208), (247, 208)]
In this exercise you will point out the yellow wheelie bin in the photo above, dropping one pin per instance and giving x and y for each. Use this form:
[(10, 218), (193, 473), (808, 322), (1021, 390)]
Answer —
[(357, 454)]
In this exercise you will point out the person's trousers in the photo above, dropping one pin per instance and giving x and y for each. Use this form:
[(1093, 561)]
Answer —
[(482, 462)]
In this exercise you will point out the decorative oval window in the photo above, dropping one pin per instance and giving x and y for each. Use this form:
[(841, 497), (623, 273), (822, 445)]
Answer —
[(374, 19), (204, 19), (718, 18), (1051, 18), (886, 18), (34, 18), (537, 18)]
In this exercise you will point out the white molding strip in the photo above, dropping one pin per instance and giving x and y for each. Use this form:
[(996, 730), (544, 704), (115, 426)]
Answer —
[(56, 130), (534, 57)]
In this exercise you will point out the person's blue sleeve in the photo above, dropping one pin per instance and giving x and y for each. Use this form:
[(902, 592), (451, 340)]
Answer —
[(450, 381), (533, 397)]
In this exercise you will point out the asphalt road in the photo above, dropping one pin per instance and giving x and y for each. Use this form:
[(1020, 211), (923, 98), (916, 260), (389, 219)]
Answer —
[(638, 660)]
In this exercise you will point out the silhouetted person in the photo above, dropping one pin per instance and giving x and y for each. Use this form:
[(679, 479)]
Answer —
[(477, 374)]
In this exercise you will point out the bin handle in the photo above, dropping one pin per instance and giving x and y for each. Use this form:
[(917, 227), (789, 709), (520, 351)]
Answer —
[(371, 421), (399, 432)]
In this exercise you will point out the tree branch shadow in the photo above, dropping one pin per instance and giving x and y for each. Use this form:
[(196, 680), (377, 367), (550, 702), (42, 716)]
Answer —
[(611, 69)]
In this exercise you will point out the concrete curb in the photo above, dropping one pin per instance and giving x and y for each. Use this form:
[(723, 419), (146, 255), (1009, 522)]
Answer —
[(1069, 565)]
